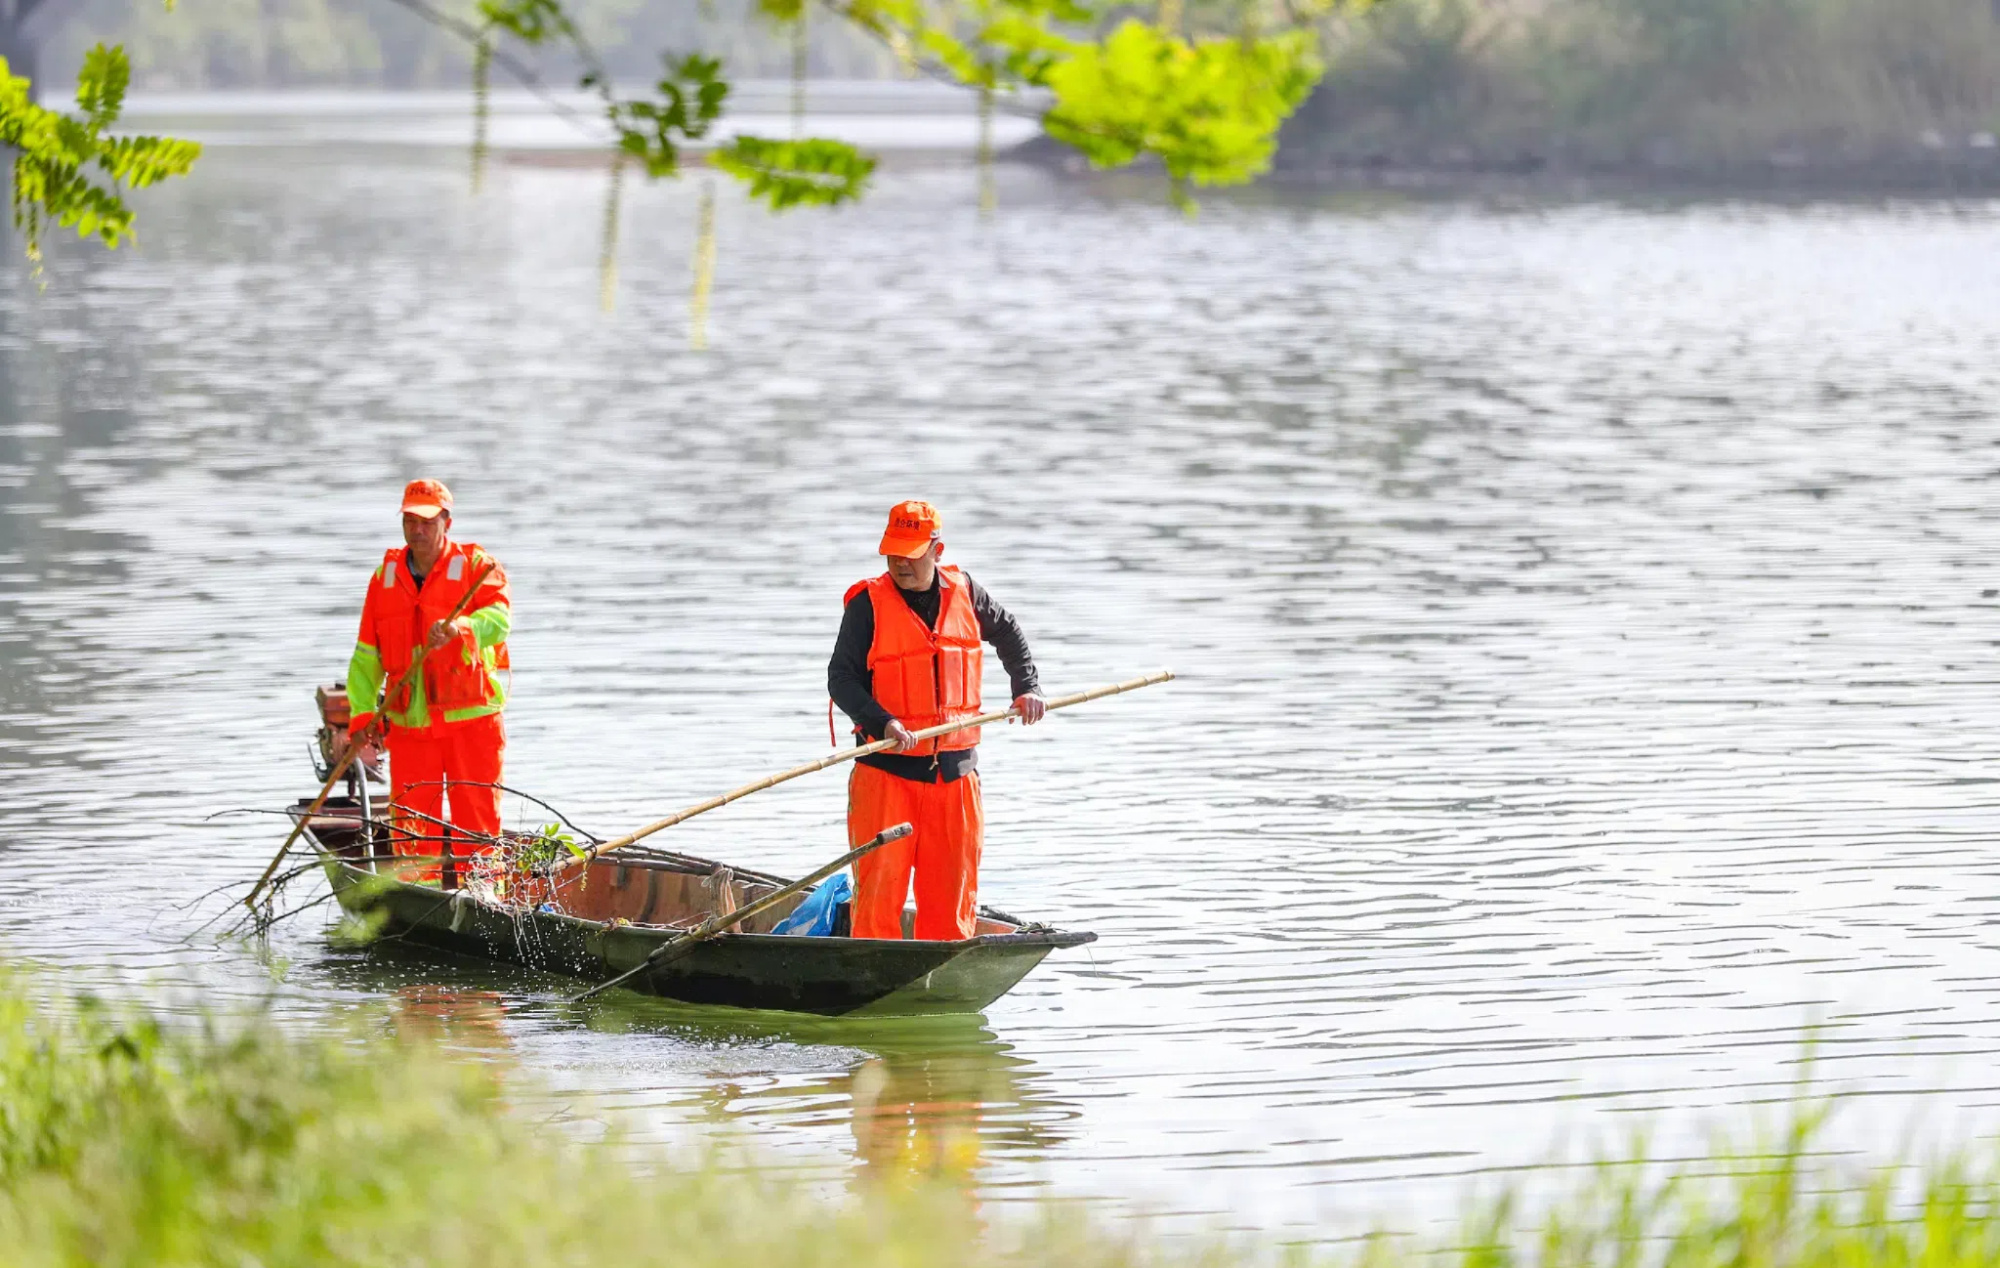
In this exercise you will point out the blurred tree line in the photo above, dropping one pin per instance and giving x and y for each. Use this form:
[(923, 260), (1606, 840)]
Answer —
[(225, 44), (1651, 82)]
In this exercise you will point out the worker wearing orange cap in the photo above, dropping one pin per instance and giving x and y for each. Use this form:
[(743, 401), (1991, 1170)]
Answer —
[(908, 657), (444, 730)]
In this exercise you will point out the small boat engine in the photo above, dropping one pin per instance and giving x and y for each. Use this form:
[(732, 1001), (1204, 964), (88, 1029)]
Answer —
[(334, 715)]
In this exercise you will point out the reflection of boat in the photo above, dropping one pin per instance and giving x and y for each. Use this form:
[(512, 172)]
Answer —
[(908, 1099), (629, 904), (451, 1015), (928, 1116), (925, 1099)]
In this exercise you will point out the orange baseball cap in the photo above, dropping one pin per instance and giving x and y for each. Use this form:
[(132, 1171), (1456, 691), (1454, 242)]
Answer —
[(428, 498), (913, 526)]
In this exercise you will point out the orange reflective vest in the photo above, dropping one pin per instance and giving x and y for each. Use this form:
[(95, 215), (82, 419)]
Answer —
[(461, 674), (926, 677)]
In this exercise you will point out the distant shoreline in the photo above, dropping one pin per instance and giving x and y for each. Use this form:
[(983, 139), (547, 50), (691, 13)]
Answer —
[(1963, 170), (1943, 173)]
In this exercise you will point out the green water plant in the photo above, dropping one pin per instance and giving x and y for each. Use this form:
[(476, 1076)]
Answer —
[(548, 843)]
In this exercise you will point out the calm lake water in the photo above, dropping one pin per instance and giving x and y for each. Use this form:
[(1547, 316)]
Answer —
[(1585, 613)]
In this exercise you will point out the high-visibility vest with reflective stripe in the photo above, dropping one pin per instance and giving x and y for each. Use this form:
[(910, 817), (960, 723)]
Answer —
[(459, 675), (926, 677)]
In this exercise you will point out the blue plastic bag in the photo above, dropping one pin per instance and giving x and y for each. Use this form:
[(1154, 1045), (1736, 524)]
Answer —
[(813, 918)]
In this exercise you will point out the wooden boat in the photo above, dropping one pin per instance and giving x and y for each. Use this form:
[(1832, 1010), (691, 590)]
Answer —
[(631, 902)]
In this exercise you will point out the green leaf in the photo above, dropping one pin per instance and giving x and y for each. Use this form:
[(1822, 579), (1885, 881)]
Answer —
[(54, 155), (1209, 109), (786, 174), (101, 84), (690, 98), (355, 931), (954, 54), (530, 21)]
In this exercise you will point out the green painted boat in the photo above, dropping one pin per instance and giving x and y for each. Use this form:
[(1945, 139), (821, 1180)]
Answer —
[(630, 903)]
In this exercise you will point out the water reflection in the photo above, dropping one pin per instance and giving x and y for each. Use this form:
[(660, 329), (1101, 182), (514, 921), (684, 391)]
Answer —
[(917, 1098), (51, 457), (451, 1015), (925, 1116), (922, 1098)]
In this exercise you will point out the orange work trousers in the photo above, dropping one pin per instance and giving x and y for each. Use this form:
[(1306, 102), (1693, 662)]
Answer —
[(422, 763), (943, 851)]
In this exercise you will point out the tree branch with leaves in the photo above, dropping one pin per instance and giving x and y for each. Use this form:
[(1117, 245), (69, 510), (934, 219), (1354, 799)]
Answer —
[(1116, 88), (69, 169)]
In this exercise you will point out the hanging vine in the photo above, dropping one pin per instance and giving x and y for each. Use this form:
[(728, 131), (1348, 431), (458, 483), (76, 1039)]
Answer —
[(799, 50), (989, 194), (482, 71), (607, 253), (704, 269)]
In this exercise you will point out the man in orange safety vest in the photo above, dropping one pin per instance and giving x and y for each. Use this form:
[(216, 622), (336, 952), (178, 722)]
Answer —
[(909, 657), (444, 730)]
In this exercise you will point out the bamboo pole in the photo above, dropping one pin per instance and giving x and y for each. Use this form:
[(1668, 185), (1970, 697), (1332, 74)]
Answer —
[(668, 952), (557, 869), (354, 745)]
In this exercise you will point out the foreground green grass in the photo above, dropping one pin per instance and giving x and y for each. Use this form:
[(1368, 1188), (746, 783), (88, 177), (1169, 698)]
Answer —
[(122, 1143)]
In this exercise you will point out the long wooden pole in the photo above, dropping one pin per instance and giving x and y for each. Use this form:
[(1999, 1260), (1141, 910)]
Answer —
[(355, 743), (668, 952), (558, 868)]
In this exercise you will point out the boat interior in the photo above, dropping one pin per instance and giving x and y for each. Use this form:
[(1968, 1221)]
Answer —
[(637, 886)]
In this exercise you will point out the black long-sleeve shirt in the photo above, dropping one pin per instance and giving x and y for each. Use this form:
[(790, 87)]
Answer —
[(852, 687)]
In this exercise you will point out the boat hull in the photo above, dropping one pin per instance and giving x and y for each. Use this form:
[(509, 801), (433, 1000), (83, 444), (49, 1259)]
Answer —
[(827, 976)]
